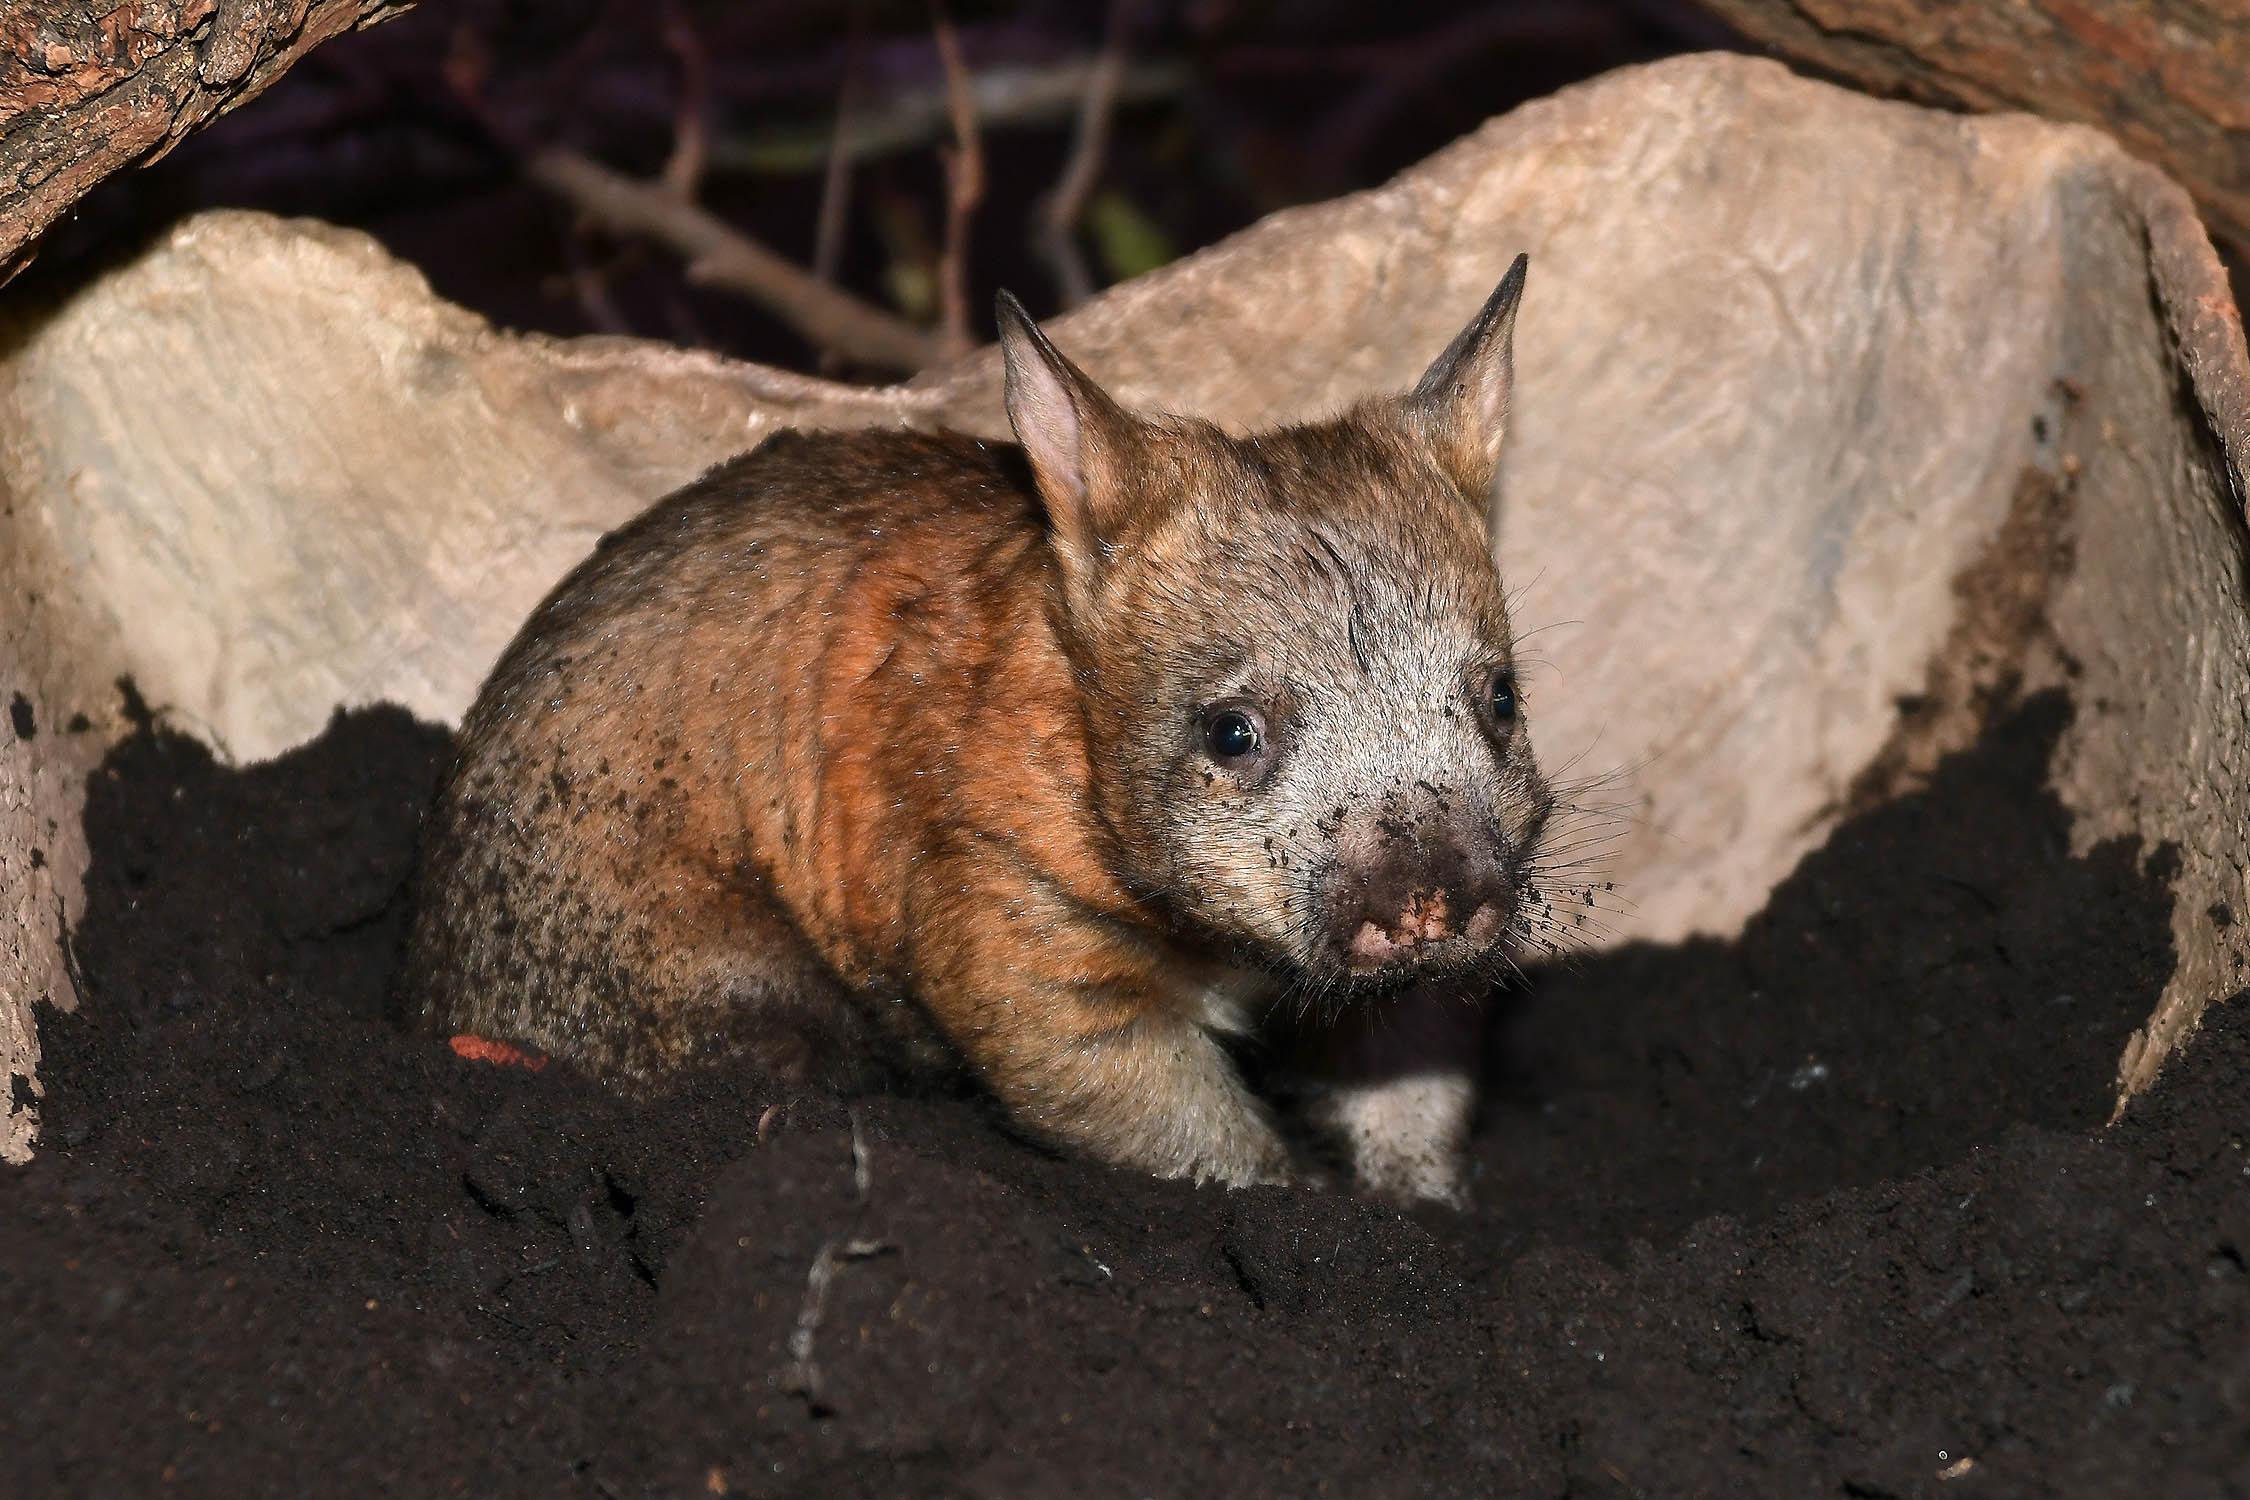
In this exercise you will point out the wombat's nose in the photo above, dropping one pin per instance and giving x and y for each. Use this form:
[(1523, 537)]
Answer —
[(1392, 913)]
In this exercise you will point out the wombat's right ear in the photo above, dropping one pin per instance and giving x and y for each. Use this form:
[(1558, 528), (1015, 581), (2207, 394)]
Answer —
[(1076, 437)]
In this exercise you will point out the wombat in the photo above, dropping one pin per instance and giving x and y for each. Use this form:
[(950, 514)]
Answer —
[(1076, 763)]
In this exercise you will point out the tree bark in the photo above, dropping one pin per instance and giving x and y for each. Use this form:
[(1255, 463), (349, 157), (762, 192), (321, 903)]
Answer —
[(2169, 78), (90, 87)]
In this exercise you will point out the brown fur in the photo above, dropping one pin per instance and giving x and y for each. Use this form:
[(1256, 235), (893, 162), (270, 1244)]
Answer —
[(879, 750)]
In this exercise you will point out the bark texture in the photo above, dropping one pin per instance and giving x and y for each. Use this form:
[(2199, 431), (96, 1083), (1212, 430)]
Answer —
[(91, 87), (2169, 78)]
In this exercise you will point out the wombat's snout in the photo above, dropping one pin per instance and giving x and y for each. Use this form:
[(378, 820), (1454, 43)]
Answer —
[(1415, 896)]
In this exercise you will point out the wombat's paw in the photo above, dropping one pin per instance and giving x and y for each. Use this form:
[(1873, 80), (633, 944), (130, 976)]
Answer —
[(1263, 1171), (1405, 1137), (1246, 1159), (1413, 1178)]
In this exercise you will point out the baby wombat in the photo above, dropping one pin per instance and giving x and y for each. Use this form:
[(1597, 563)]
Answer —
[(1070, 762)]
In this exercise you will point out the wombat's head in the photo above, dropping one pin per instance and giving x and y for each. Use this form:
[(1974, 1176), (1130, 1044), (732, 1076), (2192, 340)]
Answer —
[(1295, 658)]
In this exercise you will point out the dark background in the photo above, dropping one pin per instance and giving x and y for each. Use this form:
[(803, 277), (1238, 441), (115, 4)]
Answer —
[(414, 131)]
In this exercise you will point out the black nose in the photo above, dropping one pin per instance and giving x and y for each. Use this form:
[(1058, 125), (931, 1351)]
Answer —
[(1412, 899)]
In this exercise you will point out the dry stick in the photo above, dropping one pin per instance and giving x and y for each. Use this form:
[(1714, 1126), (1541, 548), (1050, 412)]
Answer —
[(591, 287), (691, 148), (719, 255), (804, 1371), (691, 133), (1056, 241), (835, 177), (803, 1376), (964, 178), (1006, 94)]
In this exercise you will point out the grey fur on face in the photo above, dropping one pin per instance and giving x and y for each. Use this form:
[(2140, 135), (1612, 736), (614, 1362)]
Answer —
[(1341, 593)]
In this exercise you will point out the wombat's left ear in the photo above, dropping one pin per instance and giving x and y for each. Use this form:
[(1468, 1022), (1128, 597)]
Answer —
[(1461, 402)]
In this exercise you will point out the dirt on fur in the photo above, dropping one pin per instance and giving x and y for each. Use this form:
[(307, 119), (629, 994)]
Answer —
[(1825, 1210)]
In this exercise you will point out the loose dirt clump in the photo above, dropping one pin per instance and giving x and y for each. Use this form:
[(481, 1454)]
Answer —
[(1827, 1209)]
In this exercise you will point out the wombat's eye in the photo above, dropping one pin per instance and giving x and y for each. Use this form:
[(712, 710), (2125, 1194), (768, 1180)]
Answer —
[(1233, 733), (1500, 699)]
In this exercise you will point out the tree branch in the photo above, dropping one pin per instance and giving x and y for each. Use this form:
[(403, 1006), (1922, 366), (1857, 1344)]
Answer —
[(2166, 77), (964, 184), (719, 255), (836, 173), (1007, 96), (85, 93), (691, 134), (1057, 241)]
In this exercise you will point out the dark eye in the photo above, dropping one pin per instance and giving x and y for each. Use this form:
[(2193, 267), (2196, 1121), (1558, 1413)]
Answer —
[(1500, 699), (1233, 734)]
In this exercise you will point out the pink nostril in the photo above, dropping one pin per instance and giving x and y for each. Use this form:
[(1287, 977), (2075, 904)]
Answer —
[(1485, 923), (1425, 921), (1428, 918), (1371, 946)]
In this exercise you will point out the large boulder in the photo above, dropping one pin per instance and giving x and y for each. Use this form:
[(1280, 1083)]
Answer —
[(1839, 422)]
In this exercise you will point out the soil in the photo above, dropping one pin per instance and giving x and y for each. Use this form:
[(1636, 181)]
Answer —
[(1826, 1210)]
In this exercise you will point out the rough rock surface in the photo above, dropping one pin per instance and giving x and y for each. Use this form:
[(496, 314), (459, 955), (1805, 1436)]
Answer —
[(1840, 422)]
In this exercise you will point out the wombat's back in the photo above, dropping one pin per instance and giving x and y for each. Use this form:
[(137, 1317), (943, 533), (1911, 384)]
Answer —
[(598, 873)]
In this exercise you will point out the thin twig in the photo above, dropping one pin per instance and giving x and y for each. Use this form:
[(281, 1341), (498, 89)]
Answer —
[(591, 287), (1057, 238), (717, 254), (834, 1254), (836, 176), (1008, 95), (720, 255), (1394, 73), (804, 1370), (863, 1160), (964, 179), (691, 134)]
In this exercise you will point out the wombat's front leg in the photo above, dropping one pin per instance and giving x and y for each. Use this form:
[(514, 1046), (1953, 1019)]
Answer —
[(1156, 1092), (1083, 1049), (1401, 1089)]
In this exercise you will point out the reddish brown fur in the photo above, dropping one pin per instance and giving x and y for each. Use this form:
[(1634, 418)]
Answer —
[(842, 756)]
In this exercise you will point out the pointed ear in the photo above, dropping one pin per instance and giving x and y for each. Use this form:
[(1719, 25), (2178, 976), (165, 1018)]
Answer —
[(1077, 438), (1461, 402)]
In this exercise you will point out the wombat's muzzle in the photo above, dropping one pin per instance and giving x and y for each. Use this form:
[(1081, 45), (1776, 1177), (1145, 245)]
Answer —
[(1416, 897)]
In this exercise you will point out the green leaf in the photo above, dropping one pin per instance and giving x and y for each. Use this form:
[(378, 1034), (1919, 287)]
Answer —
[(1127, 240)]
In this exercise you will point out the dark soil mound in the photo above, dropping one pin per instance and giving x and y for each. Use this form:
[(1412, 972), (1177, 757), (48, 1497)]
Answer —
[(1825, 1210)]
